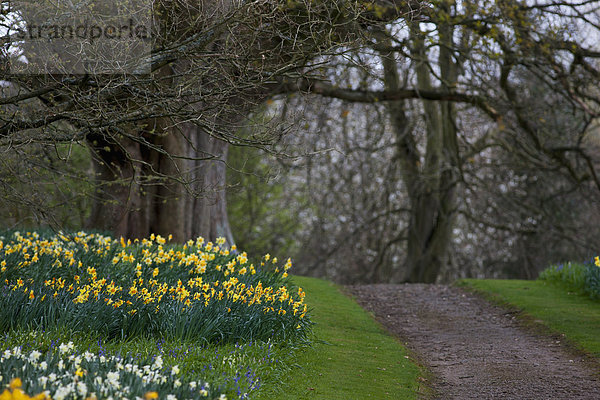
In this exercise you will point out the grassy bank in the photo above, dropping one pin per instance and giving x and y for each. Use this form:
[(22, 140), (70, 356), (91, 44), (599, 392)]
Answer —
[(569, 313), (352, 356)]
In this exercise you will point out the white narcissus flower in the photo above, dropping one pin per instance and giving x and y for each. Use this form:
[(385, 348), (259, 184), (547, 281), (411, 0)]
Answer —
[(113, 376), (63, 348), (113, 379), (62, 393), (171, 397), (158, 363), (43, 365), (34, 356), (175, 370), (81, 389)]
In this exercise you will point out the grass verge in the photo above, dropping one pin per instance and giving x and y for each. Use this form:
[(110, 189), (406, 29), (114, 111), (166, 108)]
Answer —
[(569, 313), (352, 356)]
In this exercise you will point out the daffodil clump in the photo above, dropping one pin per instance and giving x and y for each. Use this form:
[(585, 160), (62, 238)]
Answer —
[(121, 289), (592, 278), (64, 373)]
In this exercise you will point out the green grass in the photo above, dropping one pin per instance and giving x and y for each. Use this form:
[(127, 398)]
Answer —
[(564, 312), (352, 356)]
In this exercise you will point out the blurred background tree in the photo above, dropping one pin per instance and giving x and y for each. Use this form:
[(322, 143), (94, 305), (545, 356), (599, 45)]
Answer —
[(471, 147)]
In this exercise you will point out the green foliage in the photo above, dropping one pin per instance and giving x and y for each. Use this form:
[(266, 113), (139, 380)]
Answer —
[(260, 213), (582, 278), (572, 275), (46, 185), (592, 278)]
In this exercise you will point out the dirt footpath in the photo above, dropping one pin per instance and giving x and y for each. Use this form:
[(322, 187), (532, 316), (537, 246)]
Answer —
[(475, 350)]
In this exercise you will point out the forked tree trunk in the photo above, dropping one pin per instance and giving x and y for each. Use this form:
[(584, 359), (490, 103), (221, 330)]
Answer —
[(184, 198), (430, 179)]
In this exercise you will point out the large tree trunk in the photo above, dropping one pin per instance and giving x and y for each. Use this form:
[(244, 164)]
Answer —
[(168, 196), (118, 202), (431, 179), (207, 208), (172, 180)]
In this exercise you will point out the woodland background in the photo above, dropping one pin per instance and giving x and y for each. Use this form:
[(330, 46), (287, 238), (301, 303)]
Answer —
[(371, 141)]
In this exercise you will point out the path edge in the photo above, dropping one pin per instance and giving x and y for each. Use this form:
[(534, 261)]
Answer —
[(532, 325), (426, 387)]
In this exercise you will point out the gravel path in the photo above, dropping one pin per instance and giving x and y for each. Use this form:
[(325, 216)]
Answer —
[(475, 350)]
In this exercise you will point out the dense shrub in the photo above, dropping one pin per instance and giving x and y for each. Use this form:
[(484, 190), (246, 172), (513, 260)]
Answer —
[(592, 278)]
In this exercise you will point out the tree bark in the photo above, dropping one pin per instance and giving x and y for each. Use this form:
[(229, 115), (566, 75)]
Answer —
[(167, 195), (430, 179), (119, 205), (207, 209)]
